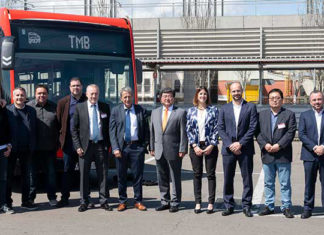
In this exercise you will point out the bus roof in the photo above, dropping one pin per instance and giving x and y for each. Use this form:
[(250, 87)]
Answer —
[(21, 14)]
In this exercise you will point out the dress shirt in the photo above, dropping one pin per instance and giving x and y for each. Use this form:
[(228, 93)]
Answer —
[(133, 121), (274, 118), (237, 111), (318, 117), (169, 111), (201, 119), (91, 109)]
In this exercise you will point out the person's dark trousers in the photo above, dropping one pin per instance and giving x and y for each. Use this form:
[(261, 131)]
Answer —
[(311, 168), (3, 179), (197, 167), (229, 166), (25, 166), (95, 152), (70, 159), (166, 170), (132, 156), (43, 161)]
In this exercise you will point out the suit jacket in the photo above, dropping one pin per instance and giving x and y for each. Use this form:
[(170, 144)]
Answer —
[(308, 135), (81, 125), (282, 135), (117, 126), (173, 139), (211, 130), (247, 125), (30, 123), (4, 130), (63, 107)]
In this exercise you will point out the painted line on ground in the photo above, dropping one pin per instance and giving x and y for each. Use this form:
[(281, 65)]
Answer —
[(149, 160), (190, 172), (258, 190)]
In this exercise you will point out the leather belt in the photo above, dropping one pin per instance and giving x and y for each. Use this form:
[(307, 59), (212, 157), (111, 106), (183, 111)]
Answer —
[(202, 143), (131, 142)]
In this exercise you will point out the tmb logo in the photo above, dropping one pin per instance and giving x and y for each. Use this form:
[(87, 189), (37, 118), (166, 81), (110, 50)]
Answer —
[(33, 38)]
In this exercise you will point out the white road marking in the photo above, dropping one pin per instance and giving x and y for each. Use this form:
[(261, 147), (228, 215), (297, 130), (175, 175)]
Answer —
[(149, 160), (258, 190)]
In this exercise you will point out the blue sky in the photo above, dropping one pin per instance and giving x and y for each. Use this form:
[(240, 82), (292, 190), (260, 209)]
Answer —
[(169, 8)]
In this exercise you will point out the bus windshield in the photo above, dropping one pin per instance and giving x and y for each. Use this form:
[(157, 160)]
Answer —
[(56, 70)]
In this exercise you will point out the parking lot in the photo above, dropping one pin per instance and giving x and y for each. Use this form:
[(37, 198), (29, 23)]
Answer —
[(47, 220)]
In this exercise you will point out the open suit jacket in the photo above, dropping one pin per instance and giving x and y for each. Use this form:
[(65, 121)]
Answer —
[(308, 135), (117, 126), (173, 139), (81, 128), (283, 134), (247, 125)]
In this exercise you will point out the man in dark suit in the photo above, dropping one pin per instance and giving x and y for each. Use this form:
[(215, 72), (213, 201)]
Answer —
[(129, 137), (236, 126), (90, 135), (311, 134), (22, 124), (169, 144), (276, 133), (65, 111)]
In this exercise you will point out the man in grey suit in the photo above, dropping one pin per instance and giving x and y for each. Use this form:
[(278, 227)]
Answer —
[(90, 135), (168, 143), (277, 131)]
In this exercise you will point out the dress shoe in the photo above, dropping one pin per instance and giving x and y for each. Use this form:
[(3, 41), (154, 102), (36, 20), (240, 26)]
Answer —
[(62, 203), (121, 207), (306, 214), (247, 212), (228, 211), (91, 205), (162, 207), (197, 211), (82, 208), (210, 211), (140, 206), (266, 211), (106, 207), (287, 213), (173, 209)]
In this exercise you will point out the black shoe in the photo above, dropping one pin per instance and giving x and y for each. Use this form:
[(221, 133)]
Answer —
[(62, 203), (197, 211), (82, 208), (228, 211), (29, 206), (288, 214), (247, 212), (173, 209), (91, 205), (266, 211), (306, 214), (210, 211), (106, 207), (162, 207)]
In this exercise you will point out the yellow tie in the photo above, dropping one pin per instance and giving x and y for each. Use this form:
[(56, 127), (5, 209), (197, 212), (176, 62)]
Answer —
[(165, 119)]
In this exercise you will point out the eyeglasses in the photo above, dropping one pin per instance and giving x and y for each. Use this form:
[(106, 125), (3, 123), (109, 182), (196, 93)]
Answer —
[(275, 98)]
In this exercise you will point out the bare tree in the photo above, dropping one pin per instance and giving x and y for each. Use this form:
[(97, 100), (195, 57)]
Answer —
[(102, 8), (244, 76), (11, 3)]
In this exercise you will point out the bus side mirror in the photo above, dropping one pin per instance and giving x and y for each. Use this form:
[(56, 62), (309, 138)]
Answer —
[(139, 71), (8, 53)]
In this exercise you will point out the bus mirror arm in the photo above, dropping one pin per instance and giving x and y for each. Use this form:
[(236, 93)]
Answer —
[(8, 53), (139, 71)]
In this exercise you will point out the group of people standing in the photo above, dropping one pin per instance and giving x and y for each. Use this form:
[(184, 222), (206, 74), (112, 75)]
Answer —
[(86, 130)]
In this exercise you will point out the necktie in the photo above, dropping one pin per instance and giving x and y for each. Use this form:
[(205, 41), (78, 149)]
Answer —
[(95, 126), (165, 119), (128, 127)]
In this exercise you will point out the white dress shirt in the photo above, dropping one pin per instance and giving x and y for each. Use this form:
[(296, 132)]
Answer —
[(169, 111), (90, 109), (237, 111), (133, 120), (318, 117), (201, 118)]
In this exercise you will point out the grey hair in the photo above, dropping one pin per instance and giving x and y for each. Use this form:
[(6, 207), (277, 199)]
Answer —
[(19, 89), (126, 89), (92, 85)]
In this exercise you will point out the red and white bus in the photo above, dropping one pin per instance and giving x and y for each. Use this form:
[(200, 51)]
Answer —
[(49, 48)]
